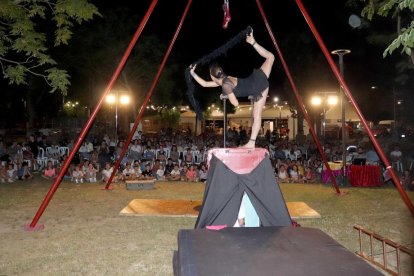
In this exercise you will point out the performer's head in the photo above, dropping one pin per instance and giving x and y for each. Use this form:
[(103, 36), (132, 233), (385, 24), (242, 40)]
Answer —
[(216, 72)]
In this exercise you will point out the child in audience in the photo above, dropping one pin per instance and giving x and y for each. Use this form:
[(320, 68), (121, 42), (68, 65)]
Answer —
[(77, 174), (160, 173), (283, 175), (191, 174), (147, 173), (23, 171), (11, 173), (50, 171), (202, 173), (309, 176), (175, 174), (3, 172), (107, 172), (128, 172), (91, 172), (137, 171)]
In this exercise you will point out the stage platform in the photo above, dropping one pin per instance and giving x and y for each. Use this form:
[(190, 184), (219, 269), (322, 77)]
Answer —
[(265, 251), (190, 208)]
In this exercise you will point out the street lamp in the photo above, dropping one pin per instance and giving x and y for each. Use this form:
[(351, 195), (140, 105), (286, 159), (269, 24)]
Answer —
[(115, 99), (341, 53), (324, 99)]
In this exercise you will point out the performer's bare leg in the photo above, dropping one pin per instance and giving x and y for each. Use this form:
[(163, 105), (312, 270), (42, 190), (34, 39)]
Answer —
[(257, 120)]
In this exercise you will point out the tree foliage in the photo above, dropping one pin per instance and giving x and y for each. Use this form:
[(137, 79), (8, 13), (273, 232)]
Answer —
[(395, 8), (27, 28)]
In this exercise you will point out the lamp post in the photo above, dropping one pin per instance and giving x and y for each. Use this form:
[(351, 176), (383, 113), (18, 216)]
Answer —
[(324, 99), (115, 99), (341, 53)]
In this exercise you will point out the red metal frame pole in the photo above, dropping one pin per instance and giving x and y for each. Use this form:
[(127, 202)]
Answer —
[(149, 94), (348, 93), (93, 115), (299, 98)]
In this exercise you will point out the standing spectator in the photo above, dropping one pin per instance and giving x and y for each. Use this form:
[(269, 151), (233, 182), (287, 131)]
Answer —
[(396, 158), (32, 146)]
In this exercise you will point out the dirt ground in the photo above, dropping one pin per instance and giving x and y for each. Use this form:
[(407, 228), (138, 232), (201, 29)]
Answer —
[(85, 235)]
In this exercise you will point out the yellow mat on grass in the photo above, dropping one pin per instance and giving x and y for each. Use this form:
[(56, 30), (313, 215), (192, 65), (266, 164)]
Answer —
[(190, 208)]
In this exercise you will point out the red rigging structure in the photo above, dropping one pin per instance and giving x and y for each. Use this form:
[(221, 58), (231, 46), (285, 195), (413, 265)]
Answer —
[(33, 225)]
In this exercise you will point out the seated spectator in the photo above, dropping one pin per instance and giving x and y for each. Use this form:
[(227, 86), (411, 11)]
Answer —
[(127, 173), (155, 167), (295, 177), (183, 172), (50, 171), (137, 171), (160, 173), (191, 174), (174, 154), (11, 173), (3, 172), (162, 155), (309, 176), (90, 173), (283, 175), (188, 157), (202, 173), (23, 171), (169, 166), (147, 173), (78, 175), (107, 172), (148, 154), (175, 174)]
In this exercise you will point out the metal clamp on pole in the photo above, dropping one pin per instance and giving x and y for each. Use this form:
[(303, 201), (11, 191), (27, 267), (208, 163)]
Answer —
[(224, 99)]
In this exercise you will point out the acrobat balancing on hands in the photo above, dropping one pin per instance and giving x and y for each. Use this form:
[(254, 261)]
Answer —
[(255, 85)]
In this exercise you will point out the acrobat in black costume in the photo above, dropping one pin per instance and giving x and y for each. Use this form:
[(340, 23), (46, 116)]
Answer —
[(207, 59), (226, 185), (253, 85)]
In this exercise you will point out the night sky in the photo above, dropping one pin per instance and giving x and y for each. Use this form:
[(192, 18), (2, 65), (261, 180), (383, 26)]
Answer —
[(202, 32)]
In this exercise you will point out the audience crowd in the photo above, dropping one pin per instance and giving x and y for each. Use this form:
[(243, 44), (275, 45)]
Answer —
[(178, 156)]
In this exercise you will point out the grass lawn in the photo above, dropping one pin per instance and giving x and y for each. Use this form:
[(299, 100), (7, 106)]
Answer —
[(84, 233)]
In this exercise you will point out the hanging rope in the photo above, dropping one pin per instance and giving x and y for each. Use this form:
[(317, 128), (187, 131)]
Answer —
[(207, 59)]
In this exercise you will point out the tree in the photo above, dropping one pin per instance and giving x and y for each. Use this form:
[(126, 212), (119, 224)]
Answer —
[(28, 31), (403, 11)]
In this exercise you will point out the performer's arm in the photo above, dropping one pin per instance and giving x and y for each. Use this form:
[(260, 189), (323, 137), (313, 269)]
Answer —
[(228, 90), (200, 80)]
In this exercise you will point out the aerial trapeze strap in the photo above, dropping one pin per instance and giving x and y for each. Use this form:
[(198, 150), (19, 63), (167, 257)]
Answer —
[(205, 60)]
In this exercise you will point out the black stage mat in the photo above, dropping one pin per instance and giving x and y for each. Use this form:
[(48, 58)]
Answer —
[(265, 251)]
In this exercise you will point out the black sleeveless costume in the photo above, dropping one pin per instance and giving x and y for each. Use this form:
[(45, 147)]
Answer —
[(253, 85)]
